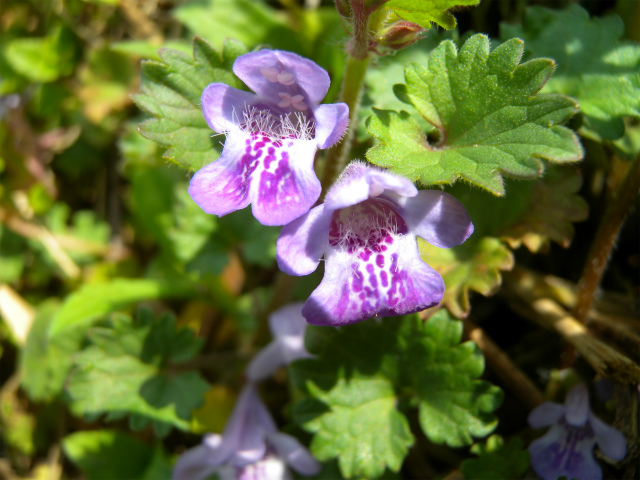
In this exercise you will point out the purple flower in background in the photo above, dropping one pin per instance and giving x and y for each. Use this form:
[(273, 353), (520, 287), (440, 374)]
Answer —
[(366, 229), (272, 137), (567, 448), (287, 326), (250, 448)]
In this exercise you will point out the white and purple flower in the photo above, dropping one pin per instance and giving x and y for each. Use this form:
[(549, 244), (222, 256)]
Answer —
[(567, 448), (366, 229), (287, 326), (251, 448), (272, 137)]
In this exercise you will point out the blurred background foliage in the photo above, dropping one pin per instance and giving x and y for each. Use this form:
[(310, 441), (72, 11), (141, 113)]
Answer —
[(93, 220)]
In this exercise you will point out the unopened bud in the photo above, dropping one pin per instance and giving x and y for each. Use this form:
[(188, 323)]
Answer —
[(400, 35)]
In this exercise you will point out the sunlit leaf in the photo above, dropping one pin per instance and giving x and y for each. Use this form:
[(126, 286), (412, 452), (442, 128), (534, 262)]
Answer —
[(423, 13), (95, 300), (490, 120), (595, 65)]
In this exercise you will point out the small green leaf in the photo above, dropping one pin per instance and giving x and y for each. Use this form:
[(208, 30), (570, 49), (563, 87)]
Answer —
[(123, 372), (95, 300), (490, 119), (171, 91), (252, 22), (109, 454), (423, 13), (354, 383), (474, 265), (496, 461), (454, 405), (45, 361), (43, 59), (594, 64), (362, 428)]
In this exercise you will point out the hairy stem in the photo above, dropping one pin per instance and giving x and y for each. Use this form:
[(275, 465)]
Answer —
[(605, 240), (351, 95)]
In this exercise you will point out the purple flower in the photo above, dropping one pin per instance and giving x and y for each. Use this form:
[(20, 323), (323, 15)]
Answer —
[(366, 229), (566, 449), (250, 448), (272, 137), (287, 326)]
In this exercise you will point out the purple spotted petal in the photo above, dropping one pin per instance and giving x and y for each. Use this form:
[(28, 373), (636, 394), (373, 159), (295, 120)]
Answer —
[(194, 465), (576, 405), (284, 185), (331, 123), (565, 450), (611, 442), (359, 182), (545, 414), (223, 106), (294, 453), (356, 287), (223, 186), (311, 79), (302, 242), (437, 217)]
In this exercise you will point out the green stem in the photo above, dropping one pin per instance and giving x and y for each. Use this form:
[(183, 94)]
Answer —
[(351, 94), (605, 240)]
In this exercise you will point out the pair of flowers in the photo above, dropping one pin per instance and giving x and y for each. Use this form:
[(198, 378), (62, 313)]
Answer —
[(251, 448), (367, 226)]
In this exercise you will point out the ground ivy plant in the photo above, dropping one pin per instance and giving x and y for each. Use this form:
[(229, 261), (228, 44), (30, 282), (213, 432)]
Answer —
[(327, 239)]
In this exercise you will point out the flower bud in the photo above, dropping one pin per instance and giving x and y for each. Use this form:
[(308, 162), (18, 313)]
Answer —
[(344, 8), (400, 35)]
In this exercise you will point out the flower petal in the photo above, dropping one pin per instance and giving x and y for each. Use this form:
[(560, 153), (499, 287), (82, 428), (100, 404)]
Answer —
[(284, 185), (302, 242), (545, 414), (565, 451), (223, 106), (267, 361), (610, 440), (359, 182), (331, 123), (437, 217), (243, 440), (577, 405), (222, 186), (294, 453), (361, 285), (194, 464), (311, 79), (288, 321)]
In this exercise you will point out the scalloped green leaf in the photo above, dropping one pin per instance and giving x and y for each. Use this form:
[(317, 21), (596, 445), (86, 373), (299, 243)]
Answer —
[(171, 91), (496, 461), (594, 65), (362, 428), (360, 374), (489, 115), (124, 371), (424, 13), (454, 405)]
